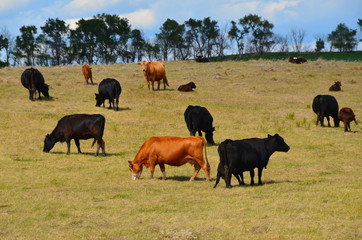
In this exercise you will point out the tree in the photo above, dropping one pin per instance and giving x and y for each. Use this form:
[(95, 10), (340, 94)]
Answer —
[(222, 42), (7, 46), (194, 31), (259, 32), (27, 44), (137, 45), (236, 35), (55, 33), (297, 37), (282, 42), (4, 43), (343, 38), (319, 45), (360, 27)]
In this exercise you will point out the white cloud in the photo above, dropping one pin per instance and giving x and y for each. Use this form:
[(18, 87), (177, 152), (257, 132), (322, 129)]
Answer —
[(10, 4), (83, 6), (274, 9), (142, 19)]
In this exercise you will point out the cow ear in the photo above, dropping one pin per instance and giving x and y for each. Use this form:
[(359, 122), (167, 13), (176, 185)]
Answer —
[(130, 164), (213, 129), (269, 135)]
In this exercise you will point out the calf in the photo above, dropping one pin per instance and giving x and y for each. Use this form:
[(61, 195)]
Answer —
[(87, 72), (187, 87), (325, 106), (199, 119), (297, 60), (77, 126), (336, 86), (346, 115), (239, 156), (110, 89), (33, 80), (174, 151), (202, 59)]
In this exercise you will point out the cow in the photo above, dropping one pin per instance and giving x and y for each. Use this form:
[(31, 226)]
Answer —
[(326, 106), (297, 60), (174, 151), (110, 89), (202, 59), (154, 71), (77, 126), (187, 87), (87, 72), (33, 80), (346, 115), (239, 156), (336, 86), (199, 119)]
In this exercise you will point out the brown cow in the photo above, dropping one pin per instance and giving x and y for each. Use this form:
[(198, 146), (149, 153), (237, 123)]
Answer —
[(336, 86), (187, 87), (154, 71), (87, 72), (346, 115), (297, 60), (174, 151)]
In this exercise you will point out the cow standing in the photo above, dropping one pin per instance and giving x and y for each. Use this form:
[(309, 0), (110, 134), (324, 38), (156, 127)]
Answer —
[(346, 115), (199, 119), (87, 72), (33, 80), (336, 86), (187, 87), (239, 156), (110, 89), (174, 151), (154, 72), (77, 126), (326, 106)]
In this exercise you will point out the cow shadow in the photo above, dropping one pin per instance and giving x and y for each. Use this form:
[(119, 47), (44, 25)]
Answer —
[(86, 153), (46, 99), (271, 182), (182, 178)]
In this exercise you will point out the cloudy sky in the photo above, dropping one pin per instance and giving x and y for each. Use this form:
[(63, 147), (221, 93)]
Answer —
[(316, 17)]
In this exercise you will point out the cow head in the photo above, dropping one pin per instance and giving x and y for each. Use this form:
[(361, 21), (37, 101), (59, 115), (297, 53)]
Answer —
[(99, 100), (144, 66), (48, 143), (338, 83), (280, 145), (44, 89), (136, 170), (209, 136), (191, 84)]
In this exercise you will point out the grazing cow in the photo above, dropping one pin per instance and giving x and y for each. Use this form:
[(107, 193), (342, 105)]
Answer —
[(239, 156), (33, 80), (87, 72), (336, 86), (297, 60), (187, 87), (325, 106), (154, 71), (174, 151), (346, 115), (202, 59), (199, 119), (77, 126), (110, 89)]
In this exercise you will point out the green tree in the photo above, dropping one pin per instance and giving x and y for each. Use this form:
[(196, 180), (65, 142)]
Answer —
[(151, 51), (55, 33), (194, 31), (236, 35), (4, 44), (209, 32), (319, 45), (260, 32), (27, 43), (343, 38), (137, 45)]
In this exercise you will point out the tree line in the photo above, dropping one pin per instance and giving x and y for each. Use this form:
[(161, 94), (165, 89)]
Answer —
[(107, 39)]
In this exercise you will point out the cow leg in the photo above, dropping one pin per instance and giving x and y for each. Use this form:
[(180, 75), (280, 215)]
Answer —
[(197, 169), (68, 146), (39, 94), (252, 174), (100, 144), (153, 87), (200, 133), (117, 101), (349, 126), (158, 86), (217, 180), (260, 172), (329, 124), (162, 167), (111, 100), (103, 103), (345, 127), (78, 145)]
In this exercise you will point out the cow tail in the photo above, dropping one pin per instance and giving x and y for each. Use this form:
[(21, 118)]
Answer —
[(225, 159), (207, 161)]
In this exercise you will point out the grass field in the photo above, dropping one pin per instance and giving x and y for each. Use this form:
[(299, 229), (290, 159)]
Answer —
[(311, 192)]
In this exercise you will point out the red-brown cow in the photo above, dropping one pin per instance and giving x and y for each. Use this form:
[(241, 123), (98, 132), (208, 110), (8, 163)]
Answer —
[(154, 71), (87, 72), (297, 60), (174, 151), (346, 115)]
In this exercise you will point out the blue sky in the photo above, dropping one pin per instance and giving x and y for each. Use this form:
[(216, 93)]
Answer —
[(316, 17)]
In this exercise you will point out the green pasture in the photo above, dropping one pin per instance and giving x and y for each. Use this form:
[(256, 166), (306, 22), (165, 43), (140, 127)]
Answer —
[(311, 192)]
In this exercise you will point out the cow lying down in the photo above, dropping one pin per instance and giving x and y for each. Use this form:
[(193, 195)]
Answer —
[(174, 151), (239, 156)]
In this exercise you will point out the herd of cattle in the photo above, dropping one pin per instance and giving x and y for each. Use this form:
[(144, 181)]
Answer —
[(235, 156)]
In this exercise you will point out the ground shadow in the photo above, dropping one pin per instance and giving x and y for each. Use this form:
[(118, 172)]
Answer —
[(87, 153), (45, 99), (182, 178)]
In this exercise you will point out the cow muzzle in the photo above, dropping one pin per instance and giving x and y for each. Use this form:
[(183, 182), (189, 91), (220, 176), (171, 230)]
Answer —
[(136, 176)]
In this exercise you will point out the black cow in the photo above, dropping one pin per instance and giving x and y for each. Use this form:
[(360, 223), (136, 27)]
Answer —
[(33, 80), (199, 119), (297, 60), (239, 156), (202, 59), (187, 87), (77, 126), (110, 89), (325, 106)]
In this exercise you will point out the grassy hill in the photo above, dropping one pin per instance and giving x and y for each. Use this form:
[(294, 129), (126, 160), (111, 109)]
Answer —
[(311, 192)]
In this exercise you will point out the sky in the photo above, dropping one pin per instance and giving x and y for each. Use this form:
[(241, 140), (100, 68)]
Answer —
[(315, 17)]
